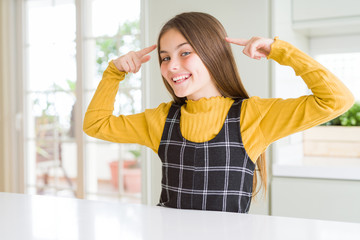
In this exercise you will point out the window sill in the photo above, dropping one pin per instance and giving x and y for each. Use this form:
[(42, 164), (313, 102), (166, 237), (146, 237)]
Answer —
[(323, 168)]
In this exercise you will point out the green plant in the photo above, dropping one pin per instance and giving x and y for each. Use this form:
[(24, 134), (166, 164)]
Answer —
[(136, 154), (349, 118)]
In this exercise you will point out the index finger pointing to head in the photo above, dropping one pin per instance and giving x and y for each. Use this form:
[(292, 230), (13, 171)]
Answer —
[(146, 50), (237, 41)]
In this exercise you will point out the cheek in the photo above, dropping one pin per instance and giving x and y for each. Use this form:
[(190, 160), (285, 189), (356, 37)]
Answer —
[(164, 72), (188, 62), (163, 69), (194, 63)]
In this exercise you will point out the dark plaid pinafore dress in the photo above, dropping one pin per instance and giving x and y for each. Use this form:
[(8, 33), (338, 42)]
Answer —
[(214, 175)]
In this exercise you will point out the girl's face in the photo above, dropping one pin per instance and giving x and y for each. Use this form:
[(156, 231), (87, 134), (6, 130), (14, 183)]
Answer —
[(183, 69)]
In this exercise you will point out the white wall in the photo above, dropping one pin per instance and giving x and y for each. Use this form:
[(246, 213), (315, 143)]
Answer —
[(241, 19), (336, 200)]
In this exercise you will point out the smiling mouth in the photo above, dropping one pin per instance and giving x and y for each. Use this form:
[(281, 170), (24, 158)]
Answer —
[(181, 78)]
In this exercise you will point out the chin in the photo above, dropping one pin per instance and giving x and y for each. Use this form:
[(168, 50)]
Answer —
[(179, 95)]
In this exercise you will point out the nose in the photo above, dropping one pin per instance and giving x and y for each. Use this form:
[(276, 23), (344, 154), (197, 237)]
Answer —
[(173, 64)]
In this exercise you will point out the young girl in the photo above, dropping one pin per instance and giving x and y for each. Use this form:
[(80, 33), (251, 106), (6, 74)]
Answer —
[(211, 136)]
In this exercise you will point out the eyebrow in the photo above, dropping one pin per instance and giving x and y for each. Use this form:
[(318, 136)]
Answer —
[(177, 47)]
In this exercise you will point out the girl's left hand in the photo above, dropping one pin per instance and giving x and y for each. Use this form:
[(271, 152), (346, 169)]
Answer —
[(256, 47)]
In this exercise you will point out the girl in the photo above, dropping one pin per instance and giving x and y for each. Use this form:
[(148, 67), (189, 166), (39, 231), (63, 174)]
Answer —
[(211, 136)]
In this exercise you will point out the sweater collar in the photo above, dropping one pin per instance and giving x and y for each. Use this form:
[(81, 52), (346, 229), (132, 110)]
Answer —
[(205, 104)]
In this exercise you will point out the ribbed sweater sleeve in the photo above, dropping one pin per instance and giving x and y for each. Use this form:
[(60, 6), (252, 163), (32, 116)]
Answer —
[(144, 128), (276, 118)]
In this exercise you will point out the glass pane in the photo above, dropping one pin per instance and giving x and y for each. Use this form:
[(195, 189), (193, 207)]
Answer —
[(346, 67), (51, 43), (121, 11), (51, 65), (88, 97), (46, 21), (106, 50), (104, 176), (51, 166), (109, 36), (129, 42), (128, 101), (101, 51), (55, 108), (98, 158), (51, 152)]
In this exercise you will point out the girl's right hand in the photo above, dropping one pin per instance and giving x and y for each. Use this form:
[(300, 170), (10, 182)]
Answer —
[(131, 62)]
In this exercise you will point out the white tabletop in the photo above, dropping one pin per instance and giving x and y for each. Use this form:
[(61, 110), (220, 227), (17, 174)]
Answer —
[(25, 217)]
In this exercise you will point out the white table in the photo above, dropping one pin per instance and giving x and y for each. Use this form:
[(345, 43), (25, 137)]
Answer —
[(25, 217)]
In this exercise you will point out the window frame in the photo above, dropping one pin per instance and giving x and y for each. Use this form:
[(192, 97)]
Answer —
[(19, 177)]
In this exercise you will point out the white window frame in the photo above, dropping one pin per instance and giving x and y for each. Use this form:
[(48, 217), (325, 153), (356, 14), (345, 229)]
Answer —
[(15, 155)]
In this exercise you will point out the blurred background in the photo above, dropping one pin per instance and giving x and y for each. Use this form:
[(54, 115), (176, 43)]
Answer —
[(53, 54)]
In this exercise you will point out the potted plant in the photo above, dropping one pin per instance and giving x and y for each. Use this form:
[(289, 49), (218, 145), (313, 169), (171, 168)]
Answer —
[(131, 172), (339, 137)]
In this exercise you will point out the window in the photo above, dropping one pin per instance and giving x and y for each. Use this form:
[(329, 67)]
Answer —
[(52, 65), (319, 152), (50, 96), (112, 34), (336, 145), (345, 66)]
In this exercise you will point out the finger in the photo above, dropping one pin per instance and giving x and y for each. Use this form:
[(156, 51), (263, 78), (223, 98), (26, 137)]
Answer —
[(118, 65), (261, 55), (131, 65), (145, 51), (145, 58), (247, 53), (127, 67), (133, 57), (134, 62), (237, 41), (246, 50), (252, 50), (123, 62), (137, 63)]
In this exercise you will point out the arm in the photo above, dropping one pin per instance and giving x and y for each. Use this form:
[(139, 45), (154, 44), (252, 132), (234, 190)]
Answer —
[(143, 128), (99, 122), (267, 120), (330, 96)]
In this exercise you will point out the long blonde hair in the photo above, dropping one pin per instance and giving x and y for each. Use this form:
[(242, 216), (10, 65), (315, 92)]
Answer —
[(206, 35)]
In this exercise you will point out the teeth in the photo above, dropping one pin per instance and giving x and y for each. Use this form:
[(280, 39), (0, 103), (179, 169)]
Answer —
[(182, 77)]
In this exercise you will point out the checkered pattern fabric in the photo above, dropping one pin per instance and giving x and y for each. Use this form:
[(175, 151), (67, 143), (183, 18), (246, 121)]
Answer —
[(214, 175)]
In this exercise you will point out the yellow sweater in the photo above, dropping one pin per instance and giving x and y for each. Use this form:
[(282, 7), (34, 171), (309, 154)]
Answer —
[(262, 121)]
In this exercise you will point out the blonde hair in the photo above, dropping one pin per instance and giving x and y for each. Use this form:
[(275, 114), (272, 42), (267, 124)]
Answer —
[(206, 35)]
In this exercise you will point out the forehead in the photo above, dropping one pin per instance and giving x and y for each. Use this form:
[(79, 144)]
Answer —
[(171, 39)]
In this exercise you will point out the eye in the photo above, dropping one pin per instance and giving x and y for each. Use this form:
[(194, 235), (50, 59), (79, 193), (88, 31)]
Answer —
[(165, 59), (185, 53)]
